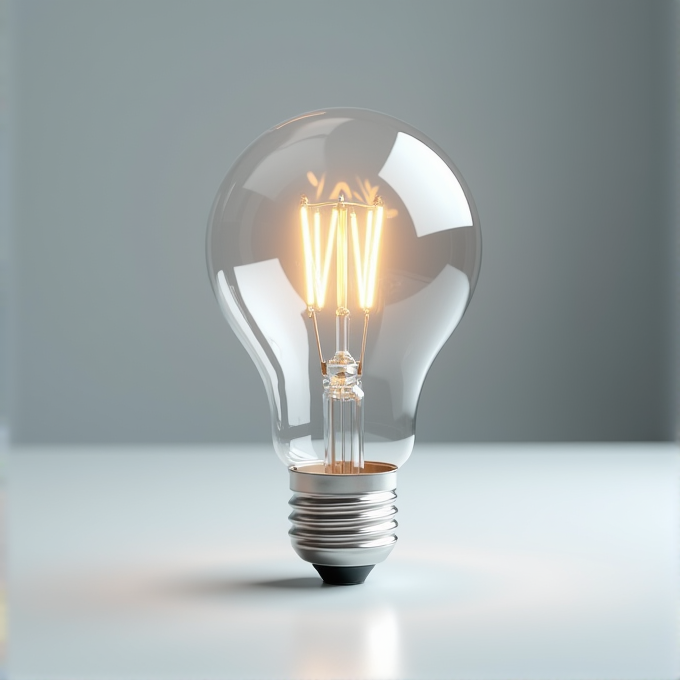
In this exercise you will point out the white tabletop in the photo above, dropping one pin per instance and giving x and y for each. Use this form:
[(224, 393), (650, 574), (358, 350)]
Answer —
[(513, 561)]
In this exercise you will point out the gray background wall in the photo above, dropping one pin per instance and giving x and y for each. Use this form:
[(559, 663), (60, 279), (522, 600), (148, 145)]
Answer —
[(125, 116)]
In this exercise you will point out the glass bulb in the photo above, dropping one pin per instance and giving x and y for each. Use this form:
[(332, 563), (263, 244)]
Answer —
[(343, 247)]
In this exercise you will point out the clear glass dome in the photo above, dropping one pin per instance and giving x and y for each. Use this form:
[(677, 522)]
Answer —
[(343, 247)]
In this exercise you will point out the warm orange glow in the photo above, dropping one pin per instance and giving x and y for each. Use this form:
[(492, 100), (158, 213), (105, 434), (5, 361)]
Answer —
[(341, 255), (307, 245), (373, 270), (317, 254), (367, 253), (327, 259), (357, 260), (364, 261)]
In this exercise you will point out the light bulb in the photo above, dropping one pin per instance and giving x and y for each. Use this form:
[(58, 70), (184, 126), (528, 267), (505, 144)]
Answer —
[(343, 248)]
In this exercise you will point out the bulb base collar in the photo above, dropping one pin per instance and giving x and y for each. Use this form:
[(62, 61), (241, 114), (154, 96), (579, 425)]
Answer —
[(343, 524)]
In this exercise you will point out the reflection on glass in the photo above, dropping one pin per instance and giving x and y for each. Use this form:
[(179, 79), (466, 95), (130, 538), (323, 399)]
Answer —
[(434, 197), (449, 293), (277, 310)]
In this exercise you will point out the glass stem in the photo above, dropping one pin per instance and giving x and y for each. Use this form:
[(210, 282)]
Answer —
[(343, 397), (341, 333), (344, 430)]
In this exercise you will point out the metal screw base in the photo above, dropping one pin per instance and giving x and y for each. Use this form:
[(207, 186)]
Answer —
[(343, 524)]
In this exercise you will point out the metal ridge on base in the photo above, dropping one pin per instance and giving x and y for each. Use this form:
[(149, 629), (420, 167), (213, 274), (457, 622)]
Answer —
[(343, 524)]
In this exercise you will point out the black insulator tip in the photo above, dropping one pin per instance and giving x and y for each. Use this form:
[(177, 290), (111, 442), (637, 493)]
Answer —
[(343, 576)]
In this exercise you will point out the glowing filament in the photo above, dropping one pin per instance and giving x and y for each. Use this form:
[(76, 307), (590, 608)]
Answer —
[(317, 255), (307, 246), (367, 266), (357, 260), (329, 253), (364, 260), (367, 251), (369, 281), (341, 263)]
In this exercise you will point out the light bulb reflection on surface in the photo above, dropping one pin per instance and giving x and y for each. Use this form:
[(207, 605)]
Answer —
[(343, 247), (370, 629)]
